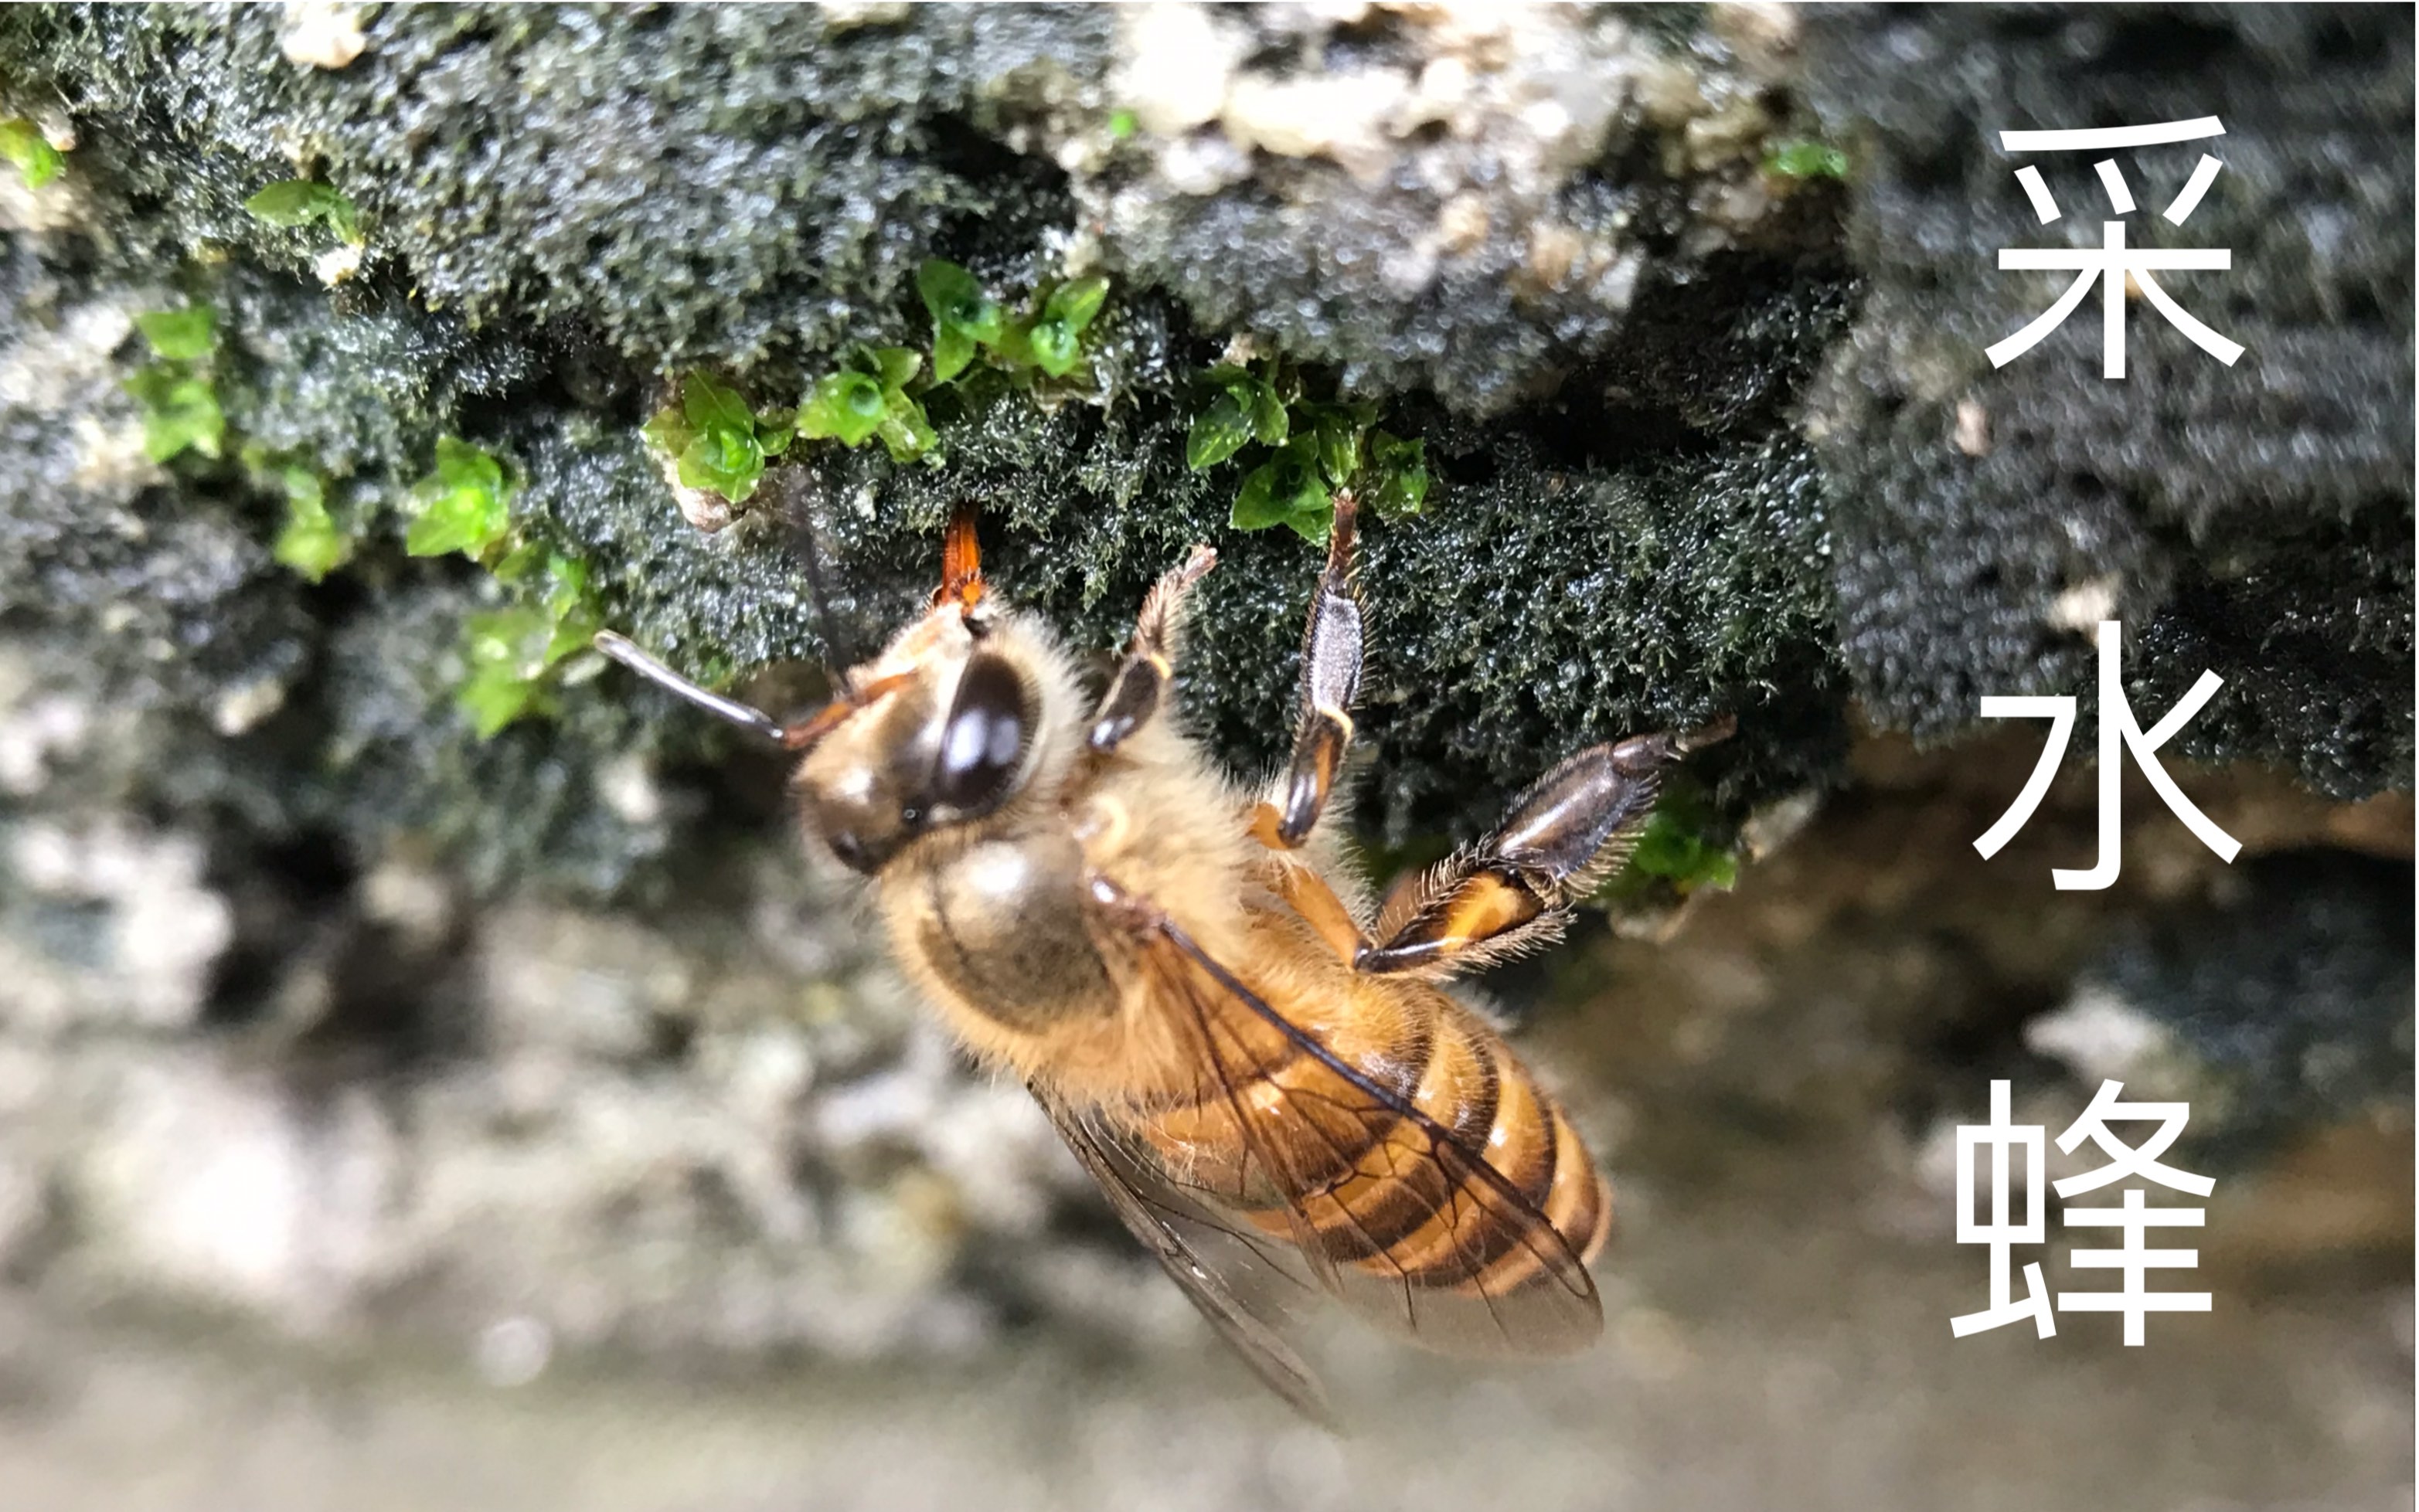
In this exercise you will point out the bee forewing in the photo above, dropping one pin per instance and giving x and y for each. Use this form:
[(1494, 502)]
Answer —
[(1239, 1281)]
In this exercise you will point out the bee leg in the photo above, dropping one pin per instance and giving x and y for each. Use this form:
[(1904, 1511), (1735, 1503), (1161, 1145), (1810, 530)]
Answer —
[(1308, 894), (1331, 677), (1514, 889), (1141, 681)]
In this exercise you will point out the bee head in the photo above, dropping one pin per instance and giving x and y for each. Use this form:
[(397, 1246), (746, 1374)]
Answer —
[(961, 734)]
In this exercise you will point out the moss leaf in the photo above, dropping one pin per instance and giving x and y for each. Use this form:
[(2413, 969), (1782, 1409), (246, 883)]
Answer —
[(963, 316), (710, 406), (775, 429), (1335, 431), (905, 431), (185, 334), (669, 431), (1270, 422), (464, 504), (1807, 159), (1055, 347), (505, 647), (727, 461), (1074, 304), (310, 544), (1219, 431), (844, 406), (570, 608), (1397, 483), (299, 202), (953, 350), (511, 650), (714, 440), (1673, 845), (180, 411), (894, 367), (1286, 490), (21, 143)]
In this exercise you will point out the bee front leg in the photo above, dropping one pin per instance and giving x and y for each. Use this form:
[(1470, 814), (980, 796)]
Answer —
[(1141, 681), (1515, 889)]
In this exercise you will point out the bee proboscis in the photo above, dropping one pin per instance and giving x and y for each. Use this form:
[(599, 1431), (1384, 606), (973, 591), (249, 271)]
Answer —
[(1265, 1075)]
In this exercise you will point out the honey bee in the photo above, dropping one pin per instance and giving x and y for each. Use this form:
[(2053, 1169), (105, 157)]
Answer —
[(1266, 1075)]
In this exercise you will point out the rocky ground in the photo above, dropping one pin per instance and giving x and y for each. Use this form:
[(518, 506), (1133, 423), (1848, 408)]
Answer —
[(398, 1112)]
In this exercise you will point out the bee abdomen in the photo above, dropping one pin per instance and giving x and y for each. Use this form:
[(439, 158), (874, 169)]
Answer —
[(1384, 1194)]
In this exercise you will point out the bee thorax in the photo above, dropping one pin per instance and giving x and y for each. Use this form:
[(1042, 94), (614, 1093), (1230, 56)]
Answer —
[(1000, 923)]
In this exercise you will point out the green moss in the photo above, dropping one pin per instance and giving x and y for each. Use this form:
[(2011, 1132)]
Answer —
[(296, 202), (1321, 448), (966, 320), (1246, 408), (177, 397), (512, 651), (714, 441), (1685, 845), (1554, 590), (309, 542), (180, 411), (1806, 160), (1676, 849), (1398, 475), (964, 316), (21, 143), (463, 505), (182, 335), (536, 166), (1286, 490), (1055, 336), (1049, 336), (867, 398), (1633, 538)]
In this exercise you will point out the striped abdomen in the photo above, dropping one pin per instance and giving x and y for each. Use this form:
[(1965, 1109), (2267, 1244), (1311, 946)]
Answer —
[(1370, 1151)]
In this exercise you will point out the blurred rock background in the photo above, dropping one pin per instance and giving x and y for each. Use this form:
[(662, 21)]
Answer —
[(392, 1113)]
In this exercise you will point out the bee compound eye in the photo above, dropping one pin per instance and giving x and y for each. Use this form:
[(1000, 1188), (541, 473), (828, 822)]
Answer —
[(991, 720)]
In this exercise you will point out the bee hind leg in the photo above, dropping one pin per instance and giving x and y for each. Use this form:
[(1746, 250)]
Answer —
[(1514, 889)]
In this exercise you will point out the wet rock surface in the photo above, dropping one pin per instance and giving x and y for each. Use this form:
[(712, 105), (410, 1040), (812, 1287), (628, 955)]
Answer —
[(1554, 244), (2252, 519)]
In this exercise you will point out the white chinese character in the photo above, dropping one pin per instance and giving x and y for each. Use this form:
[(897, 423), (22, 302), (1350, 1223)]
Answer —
[(2118, 728), (1999, 1137), (2114, 264), (2126, 1160), (2134, 1217), (2133, 1302)]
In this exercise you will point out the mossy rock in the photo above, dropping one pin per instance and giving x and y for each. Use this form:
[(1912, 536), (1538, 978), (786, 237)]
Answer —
[(1632, 525)]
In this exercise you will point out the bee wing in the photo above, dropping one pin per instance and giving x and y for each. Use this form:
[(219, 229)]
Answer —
[(1326, 1139), (1212, 1263)]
